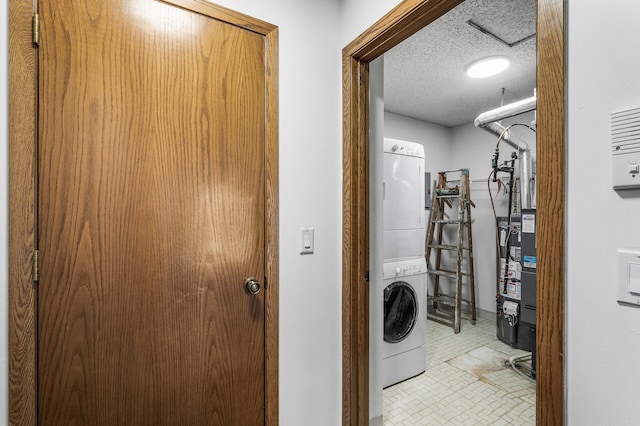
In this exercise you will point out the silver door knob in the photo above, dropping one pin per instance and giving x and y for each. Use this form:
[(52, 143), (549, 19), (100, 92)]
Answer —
[(252, 286)]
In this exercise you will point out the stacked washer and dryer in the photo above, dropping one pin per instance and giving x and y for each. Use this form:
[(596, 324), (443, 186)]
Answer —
[(404, 268)]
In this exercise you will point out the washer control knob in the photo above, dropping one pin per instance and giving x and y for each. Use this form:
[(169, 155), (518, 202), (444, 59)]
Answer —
[(397, 270)]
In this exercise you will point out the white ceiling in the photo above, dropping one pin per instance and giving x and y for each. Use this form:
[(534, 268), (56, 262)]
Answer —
[(424, 77)]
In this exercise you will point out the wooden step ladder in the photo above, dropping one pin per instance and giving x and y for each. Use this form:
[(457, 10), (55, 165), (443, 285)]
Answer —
[(444, 196)]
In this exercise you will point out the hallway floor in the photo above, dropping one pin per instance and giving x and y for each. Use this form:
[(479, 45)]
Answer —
[(466, 382)]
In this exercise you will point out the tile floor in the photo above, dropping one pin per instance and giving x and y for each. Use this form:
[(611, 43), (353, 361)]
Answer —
[(466, 382)]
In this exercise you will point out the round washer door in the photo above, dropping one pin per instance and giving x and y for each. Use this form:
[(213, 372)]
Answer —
[(400, 311)]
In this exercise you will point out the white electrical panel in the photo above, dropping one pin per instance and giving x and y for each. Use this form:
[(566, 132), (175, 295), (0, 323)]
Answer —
[(628, 276), (625, 149)]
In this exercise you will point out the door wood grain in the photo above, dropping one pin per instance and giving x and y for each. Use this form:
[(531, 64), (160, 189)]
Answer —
[(152, 216)]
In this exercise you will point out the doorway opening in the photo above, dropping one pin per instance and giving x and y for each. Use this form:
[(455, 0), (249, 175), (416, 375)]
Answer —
[(422, 99), (391, 30)]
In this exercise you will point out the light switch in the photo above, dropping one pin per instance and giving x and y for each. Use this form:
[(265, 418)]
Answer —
[(306, 240), (628, 276), (634, 277)]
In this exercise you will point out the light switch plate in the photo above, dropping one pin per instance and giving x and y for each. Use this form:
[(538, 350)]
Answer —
[(306, 240), (634, 277), (628, 276)]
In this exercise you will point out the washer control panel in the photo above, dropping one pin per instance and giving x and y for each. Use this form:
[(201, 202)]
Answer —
[(403, 268)]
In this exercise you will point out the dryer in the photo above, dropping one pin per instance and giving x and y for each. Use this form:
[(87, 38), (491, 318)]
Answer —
[(405, 310), (403, 195)]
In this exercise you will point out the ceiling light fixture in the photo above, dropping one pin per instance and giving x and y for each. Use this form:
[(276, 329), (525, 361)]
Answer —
[(487, 67)]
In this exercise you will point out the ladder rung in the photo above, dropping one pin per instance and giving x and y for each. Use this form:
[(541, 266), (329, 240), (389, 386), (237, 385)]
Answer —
[(449, 297), (447, 247), (447, 273), (440, 316), (440, 196), (449, 221)]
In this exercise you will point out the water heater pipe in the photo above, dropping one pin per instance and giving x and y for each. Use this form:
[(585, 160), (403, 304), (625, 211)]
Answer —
[(487, 121), (498, 129)]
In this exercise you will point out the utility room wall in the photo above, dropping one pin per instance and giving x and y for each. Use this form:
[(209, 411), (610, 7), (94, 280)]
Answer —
[(466, 146)]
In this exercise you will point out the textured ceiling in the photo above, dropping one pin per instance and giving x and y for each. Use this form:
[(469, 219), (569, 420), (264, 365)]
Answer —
[(424, 77)]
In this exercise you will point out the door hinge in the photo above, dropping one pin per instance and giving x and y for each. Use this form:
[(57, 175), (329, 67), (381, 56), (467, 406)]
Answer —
[(36, 265), (366, 277), (35, 29)]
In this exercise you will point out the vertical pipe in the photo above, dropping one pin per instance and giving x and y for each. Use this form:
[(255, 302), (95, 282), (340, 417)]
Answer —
[(526, 178)]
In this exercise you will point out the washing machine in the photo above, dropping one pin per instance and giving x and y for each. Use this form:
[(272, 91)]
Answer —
[(403, 195), (405, 310)]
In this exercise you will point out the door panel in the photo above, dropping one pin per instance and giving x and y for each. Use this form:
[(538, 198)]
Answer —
[(151, 216)]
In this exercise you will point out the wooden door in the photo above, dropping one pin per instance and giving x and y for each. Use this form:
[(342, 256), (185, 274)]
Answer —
[(151, 216)]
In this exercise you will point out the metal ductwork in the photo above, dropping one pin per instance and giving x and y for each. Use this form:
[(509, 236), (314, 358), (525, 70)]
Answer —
[(506, 111), (487, 121)]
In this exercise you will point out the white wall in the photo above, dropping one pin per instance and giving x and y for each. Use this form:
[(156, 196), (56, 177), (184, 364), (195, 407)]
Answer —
[(603, 338), (358, 15)]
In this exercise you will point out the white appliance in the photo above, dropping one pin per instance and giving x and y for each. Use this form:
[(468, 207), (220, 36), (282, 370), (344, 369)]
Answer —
[(405, 310), (403, 194)]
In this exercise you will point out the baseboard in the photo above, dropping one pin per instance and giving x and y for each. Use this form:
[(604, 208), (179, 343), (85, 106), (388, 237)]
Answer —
[(481, 313), (376, 421)]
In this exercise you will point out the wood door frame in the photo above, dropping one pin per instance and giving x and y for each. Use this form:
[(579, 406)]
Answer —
[(403, 21), (23, 104)]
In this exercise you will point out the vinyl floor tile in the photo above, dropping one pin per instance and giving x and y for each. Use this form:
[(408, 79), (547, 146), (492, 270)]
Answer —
[(467, 382)]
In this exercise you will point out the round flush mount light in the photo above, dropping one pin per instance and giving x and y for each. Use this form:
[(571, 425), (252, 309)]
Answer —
[(487, 67)]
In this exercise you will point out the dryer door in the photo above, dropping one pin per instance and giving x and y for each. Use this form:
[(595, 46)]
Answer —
[(400, 311)]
